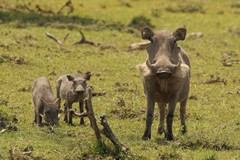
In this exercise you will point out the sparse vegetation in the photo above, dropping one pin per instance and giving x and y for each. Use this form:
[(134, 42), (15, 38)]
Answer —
[(186, 7), (26, 53), (140, 22)]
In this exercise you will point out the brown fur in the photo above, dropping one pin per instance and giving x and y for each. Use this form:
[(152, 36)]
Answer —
[(44, 102), (72, 89), (166, 76)]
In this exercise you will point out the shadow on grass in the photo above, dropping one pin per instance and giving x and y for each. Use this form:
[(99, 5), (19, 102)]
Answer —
[(7, 16), (23, 19), (193, 143)]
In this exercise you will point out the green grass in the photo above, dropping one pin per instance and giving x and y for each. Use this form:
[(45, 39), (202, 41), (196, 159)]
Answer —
[(26, 53)]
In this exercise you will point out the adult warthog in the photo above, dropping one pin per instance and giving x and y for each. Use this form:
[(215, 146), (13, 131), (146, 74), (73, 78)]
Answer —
[(166, 76)]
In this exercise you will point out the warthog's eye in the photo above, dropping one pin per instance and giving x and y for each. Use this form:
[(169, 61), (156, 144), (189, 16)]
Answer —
[(174, 41)]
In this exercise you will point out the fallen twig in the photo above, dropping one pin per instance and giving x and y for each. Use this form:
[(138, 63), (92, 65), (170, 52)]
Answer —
[(88, 105), (3, 130), (227, 59), (217, 80), (53, 38), (83, 114), (195, 35), (65, 38), (107, 131), (138, 46), (85, 41), (44, 11), (27, 153), (95, 94), (67, 4)]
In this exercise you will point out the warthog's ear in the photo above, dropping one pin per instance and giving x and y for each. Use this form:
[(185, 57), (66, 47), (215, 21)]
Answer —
[(147, 33), (180, 34), (70, 77), (87, 75)]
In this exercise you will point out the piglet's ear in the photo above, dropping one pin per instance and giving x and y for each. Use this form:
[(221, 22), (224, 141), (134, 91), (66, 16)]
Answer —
[(180, 34), (147, 33), (70, 77), (87, 75)]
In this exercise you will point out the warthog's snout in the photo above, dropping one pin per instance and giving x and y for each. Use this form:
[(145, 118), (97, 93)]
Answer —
[(163, 74), (80, 90)]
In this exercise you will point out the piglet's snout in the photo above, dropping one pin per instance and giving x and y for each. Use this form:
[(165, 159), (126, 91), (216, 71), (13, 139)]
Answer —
[(80, 90)]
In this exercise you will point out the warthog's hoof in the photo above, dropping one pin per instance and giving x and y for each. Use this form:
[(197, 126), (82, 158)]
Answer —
[(160, 130), (82, 122), (70, 122), (145, 138), (66, 119), (184, 129), (168, 136), (40, 125)]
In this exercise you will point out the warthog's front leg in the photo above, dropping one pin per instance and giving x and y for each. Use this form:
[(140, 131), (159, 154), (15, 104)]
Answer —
[(70, 116), (65, 112), (39, 119), (81, 108), (149, 118), (162, 110), (170, 115), (67, 115), (183, 115)]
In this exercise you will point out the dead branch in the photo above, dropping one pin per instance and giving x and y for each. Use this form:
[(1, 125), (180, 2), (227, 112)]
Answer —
[(229, 62), (42, 11), (217, 80), (195, 35), (67, 4), (88, 105), (107, 131), (85, 41), (3, 130), (138, 46), (95, 94), (103, 47), (72, 112), (65, 38), (53, 38), (27, 153)]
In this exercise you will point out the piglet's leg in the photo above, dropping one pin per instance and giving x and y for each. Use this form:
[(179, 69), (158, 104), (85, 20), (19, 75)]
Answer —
[(70, 116), (81, 108), (65, 112)]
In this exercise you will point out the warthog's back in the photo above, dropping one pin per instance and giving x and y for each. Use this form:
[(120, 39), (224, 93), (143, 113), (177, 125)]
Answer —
[(63, 85), (41, 90)]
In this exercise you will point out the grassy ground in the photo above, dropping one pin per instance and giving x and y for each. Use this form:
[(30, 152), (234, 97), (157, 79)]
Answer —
[(213, 109)]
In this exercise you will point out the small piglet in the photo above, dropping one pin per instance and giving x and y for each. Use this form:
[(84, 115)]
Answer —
[(72, 89), (44, 103)]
